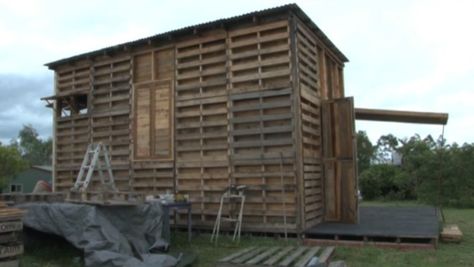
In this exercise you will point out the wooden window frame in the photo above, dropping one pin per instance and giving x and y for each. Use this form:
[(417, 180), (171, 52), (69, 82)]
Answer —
[(153, 85), (16, 186), (152, 131)]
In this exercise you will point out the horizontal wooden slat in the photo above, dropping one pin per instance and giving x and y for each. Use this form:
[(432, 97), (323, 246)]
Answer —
[(401, 116)]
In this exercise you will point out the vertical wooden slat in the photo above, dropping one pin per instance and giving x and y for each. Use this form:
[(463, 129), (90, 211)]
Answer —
[(143, 110), (297, 133), (340, 161)]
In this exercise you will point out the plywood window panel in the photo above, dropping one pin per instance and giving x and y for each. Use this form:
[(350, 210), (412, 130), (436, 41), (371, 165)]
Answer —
[(340, 160), (142, 68), (162, 121), (153, 77), (163, 64), (143, 129), (153, 120)]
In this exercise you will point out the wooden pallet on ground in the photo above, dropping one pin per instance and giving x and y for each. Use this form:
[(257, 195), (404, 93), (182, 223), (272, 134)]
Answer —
[(10, 250), (10, 214), (106, 198), (451, 233), (11, 226), (18, 198), (277, 256)]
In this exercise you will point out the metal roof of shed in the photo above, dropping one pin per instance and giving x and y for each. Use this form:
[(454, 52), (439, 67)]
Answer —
[(209, 26)]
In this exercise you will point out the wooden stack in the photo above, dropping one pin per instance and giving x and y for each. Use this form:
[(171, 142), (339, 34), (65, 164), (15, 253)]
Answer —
[(451, 233), (11, 225)]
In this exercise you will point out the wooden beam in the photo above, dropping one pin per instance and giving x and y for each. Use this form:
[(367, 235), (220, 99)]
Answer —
[(401, 116)]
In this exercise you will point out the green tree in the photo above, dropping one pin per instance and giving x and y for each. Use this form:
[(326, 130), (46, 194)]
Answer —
[(365, 151), (384, 181), (385, 146), (11, 163), (33, 149)]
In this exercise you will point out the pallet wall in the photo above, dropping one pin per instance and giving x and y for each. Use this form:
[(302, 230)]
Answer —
[(72, 131), (110, 122), (261, 132), (105, 85), (216, 108), (152, 133), (310, 95), (233, 118), (330, 182), (202, 162)]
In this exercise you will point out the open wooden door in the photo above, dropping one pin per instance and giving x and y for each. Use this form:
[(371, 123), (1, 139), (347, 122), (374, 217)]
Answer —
[(340, 161)]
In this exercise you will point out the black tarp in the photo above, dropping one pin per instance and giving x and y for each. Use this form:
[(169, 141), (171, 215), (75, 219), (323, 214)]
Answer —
[(110, 236)]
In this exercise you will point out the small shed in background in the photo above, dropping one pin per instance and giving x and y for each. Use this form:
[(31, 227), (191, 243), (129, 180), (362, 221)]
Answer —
[(25, 181)]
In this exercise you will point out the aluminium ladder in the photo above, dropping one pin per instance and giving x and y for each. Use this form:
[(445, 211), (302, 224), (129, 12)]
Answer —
[(233, 194), (93, 162)]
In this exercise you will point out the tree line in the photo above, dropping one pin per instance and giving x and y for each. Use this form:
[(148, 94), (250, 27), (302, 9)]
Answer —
[(431, 170), (27, 150)]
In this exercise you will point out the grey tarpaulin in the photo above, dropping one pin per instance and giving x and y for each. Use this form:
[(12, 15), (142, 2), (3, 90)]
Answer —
[(110, 236)]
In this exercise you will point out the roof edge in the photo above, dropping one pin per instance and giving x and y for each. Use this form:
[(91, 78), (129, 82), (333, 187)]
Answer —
[(207, 26)]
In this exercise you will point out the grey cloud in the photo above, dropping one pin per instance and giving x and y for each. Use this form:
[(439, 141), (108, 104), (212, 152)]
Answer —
[(20, 104)]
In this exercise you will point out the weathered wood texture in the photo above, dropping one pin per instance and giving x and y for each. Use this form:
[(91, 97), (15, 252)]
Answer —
[(106, 83), (339, 147), (192, 115), (277, 256), (11, 227), (233, 118), (401, 116), (310, 139)]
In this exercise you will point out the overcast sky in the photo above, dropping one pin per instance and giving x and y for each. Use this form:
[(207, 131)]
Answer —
[(406, 54)]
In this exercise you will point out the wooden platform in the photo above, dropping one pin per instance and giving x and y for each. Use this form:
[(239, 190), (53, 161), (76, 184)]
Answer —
[(276, 256), (396, 227)]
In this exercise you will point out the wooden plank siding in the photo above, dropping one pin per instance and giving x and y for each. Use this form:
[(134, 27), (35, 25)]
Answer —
[(192, 115), (309, 104)]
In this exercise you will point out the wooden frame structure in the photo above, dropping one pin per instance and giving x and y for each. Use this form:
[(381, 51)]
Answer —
[(245, 100)]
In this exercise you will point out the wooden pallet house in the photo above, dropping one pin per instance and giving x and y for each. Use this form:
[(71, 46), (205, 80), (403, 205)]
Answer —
[(250, 100)]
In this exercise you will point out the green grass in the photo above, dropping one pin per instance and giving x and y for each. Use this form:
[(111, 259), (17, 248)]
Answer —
[(54, 253), (42, 250)]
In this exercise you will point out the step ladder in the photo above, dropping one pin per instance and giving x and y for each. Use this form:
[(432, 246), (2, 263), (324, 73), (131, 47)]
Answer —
[(234, 195), (96, 159)]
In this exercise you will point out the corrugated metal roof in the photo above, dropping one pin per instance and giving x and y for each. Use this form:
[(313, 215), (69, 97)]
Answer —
[(208, 26), (47, 168)]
